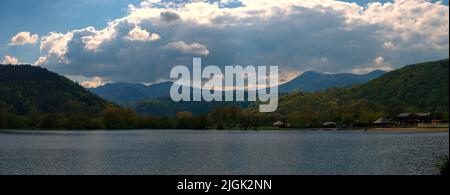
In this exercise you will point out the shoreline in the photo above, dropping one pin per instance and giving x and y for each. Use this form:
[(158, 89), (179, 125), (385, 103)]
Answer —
[(393, 130)]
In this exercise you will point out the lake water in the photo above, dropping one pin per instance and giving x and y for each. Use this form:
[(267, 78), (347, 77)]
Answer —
[(220, 152)]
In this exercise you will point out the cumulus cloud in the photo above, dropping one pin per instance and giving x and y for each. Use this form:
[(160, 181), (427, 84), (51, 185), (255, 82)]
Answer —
[(193, 48), (23, 38), (54, 46), (95, 82), (168, 16), (92, 82), (138, 34), (93, 39), (322, 35), (10, 60), (378, 64)]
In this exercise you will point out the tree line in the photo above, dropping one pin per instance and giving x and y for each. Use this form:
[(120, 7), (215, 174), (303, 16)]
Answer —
[(296, 110), (113, 117)]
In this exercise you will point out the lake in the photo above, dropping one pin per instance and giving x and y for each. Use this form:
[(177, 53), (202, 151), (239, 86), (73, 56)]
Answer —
[(169, 152)]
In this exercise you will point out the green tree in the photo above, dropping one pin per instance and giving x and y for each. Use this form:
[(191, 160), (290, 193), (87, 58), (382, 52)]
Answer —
[(119, 118), (184, 120), (443, 165)]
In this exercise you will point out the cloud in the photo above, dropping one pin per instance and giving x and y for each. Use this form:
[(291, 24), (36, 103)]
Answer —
[(23, 38), (193, 48), (55, 47), (10, 60), (168, 16), (138, 34), (287, 76), (378, 64), (321, 35), (95, 82), (93, 39), (89, 82)]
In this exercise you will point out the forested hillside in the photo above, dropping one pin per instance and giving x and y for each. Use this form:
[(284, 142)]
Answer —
[(28, 90), (31, 96), (415, 88)]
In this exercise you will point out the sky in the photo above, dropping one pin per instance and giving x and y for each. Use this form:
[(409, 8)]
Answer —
[(100, 41)]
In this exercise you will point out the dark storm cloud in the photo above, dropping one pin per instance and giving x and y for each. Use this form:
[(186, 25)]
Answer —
[(333, 37)]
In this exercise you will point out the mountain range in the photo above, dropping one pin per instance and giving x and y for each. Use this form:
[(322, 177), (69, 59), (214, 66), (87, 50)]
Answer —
[(312, 81), (122, 93), (125, 93), (37, 98), (415, 88)]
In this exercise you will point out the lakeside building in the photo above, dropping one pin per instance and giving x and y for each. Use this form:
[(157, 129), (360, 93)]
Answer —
[(330, 124), (279, 125), (382, 122), (414, 118)]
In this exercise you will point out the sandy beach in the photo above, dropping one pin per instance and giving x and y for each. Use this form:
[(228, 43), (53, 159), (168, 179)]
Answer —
[(413, 130)]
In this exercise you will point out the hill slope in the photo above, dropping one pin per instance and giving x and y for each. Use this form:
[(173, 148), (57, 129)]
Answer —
[(415, 88), (28, 90), (424, 86)]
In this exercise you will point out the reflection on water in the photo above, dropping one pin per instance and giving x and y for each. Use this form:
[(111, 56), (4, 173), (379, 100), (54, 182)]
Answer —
[(220, 152)]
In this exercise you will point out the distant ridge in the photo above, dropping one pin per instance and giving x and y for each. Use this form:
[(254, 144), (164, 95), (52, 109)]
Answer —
[(312, 81), (124, 93)]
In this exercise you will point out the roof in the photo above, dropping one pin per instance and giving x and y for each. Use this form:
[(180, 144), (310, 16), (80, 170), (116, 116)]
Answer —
[(404, 114), (278, 123), (417, 114), (329, 123), (381, 121), (423, 114)]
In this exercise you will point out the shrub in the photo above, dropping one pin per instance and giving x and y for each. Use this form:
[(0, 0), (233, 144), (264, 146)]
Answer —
[(443, 165)]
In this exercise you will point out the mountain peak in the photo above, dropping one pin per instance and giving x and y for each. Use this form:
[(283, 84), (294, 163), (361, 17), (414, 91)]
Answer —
[(312, 81), (312, 72)]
